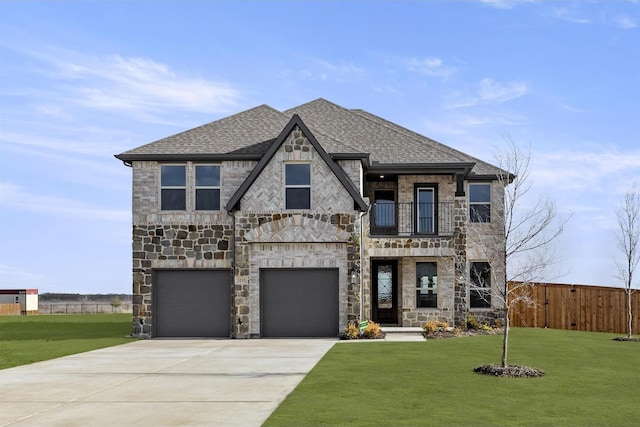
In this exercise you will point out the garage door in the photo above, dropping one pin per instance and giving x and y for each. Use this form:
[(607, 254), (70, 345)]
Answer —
[(299, 303), (191, 303)]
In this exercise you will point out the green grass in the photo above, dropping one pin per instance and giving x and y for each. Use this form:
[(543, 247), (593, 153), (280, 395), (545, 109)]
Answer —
[(590, 380), (28, 339)]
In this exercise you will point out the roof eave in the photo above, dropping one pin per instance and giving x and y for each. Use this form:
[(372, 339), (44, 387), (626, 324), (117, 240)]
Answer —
[(420, 168), (187, 157)]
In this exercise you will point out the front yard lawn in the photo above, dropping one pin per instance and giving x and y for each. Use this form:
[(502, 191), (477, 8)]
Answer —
[(589, 380), (28, 339)]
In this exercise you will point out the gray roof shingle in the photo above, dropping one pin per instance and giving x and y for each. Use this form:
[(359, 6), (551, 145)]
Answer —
[(337, 129)]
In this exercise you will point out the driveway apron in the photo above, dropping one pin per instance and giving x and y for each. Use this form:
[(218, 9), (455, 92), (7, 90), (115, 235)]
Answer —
[(160, 382)]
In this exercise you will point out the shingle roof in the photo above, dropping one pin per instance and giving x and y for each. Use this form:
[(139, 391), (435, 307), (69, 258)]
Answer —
[(386, 141), (338, 130)]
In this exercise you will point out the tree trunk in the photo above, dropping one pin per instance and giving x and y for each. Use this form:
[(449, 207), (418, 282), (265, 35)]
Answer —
[(629, 314), (505, 338)]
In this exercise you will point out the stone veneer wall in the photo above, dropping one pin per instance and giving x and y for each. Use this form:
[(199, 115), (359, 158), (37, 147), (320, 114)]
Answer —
[(293, 240), (485, 242), (173, 246), (450, 254)]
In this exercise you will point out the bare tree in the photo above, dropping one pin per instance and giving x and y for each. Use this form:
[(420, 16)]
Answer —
[(522, 235), (627, 241)]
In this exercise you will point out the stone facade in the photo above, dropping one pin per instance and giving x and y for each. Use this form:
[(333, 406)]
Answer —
[(173, 246), (262, 234)]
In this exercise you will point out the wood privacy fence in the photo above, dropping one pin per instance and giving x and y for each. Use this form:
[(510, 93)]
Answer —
[(577, 307), (11, 309)]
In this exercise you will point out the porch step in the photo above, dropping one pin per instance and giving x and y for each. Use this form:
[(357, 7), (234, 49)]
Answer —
[(399, 333)]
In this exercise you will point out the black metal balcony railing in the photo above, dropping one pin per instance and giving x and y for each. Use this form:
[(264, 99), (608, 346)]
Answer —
[(404, 219)]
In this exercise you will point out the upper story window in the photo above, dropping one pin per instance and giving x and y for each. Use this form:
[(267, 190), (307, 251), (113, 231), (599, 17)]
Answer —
[(207, 187), (427, 284), (425, 209), (297, 185), (480, 290), (480, 202), (173, 187)]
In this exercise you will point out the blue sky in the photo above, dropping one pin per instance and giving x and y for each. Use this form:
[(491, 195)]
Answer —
[(81, 81)]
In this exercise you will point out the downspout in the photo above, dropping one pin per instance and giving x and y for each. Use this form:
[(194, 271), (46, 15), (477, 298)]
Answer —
[(362, 246), (233, 275)]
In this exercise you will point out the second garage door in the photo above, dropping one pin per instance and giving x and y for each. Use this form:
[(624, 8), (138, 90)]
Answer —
[(191, 303), (299, 303)]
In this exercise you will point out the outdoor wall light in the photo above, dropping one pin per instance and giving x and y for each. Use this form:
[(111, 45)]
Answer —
[(354, 275)]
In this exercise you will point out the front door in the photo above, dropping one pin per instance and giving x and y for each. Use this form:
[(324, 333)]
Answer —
[(385, 292)]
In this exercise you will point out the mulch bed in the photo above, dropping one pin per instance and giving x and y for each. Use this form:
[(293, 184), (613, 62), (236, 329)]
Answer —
[(629, 339), (465, 333), (509, 371)]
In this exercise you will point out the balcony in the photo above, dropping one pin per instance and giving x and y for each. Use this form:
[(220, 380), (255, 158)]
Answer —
[(411, 219)]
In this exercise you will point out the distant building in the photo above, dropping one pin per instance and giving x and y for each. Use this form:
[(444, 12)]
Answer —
[(26, 298)]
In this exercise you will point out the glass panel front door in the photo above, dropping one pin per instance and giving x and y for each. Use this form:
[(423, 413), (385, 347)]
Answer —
[(385, 292)]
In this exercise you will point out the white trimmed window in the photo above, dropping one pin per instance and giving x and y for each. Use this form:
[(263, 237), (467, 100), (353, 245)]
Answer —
[(297, 185), (480, 202), (173, 187), (207, 180), (480, 289)]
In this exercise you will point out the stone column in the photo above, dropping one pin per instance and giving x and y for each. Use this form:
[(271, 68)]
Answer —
[(460, 305)]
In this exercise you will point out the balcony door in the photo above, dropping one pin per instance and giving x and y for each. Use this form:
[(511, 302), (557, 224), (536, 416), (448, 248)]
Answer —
[(385, 292), (384, 212), (426, 212)]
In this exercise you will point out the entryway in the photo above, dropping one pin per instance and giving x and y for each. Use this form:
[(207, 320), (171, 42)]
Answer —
[(384, 307)]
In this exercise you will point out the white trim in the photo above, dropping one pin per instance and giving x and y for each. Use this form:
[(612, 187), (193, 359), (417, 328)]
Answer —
[(285, 186), (481, 203), (173, 187)]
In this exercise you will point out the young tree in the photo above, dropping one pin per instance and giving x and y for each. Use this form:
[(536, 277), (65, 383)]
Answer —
[(521, 235), (627, 241)]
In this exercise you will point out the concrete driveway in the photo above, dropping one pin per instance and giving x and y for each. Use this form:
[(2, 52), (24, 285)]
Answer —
[(160, 382)]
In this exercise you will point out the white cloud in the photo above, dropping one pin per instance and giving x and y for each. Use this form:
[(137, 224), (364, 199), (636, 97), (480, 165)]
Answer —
[(432, 67), (140, 84), (493, 92), (15, 197), (142, 88), (340, 67), (90, 145), (624, 22), (568, 15), (601, 171), (505, 4), (488, 91)]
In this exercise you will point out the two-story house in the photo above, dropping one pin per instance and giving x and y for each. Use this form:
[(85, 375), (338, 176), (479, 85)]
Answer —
[(293, 223)]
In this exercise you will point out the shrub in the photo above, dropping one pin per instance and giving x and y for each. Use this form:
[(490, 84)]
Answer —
[(484, 326), (352, 332), (472, 322), (372, 331), (432, 327)]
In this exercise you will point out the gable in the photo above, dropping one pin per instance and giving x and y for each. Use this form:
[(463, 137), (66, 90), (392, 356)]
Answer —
[(263, 189)]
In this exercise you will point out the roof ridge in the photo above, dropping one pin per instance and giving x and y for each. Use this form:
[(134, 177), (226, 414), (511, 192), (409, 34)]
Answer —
[(416, 136), (322, 131)]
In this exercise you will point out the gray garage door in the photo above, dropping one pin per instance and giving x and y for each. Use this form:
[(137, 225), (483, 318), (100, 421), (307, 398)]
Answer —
[(299, 303), (191, 303)]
